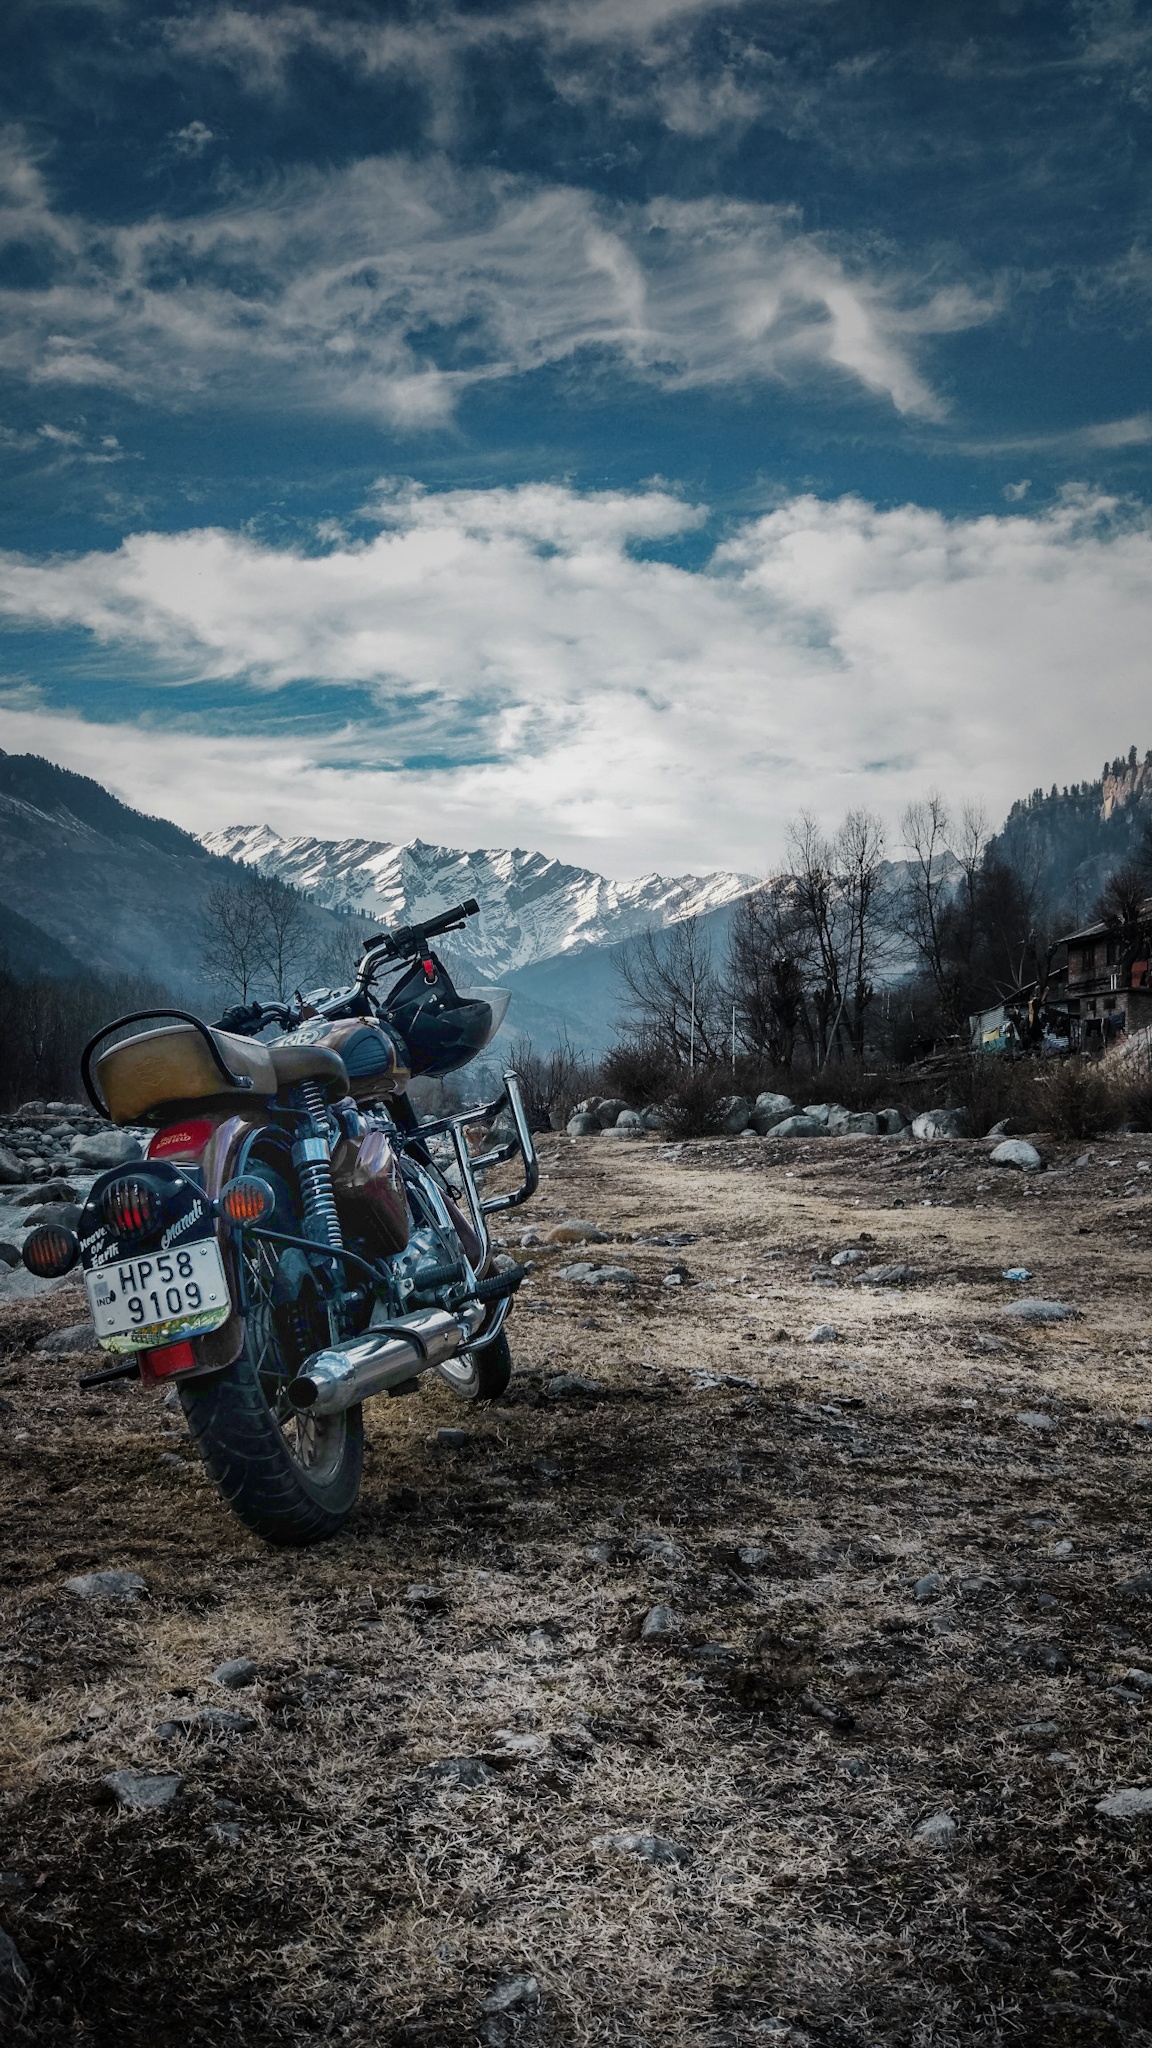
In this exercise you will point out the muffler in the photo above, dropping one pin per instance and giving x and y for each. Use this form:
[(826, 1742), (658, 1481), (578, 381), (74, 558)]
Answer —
[(378, 1360)]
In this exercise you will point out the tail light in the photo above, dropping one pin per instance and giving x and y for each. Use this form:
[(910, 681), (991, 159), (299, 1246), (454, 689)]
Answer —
[(170, 1359), (182, 1141), (50, 1251), (131, 1207)]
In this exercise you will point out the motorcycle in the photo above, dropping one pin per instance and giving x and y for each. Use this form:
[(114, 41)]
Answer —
[(291, 1246)]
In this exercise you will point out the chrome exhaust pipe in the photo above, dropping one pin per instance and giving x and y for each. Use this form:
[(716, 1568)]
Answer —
[(374, 1362)]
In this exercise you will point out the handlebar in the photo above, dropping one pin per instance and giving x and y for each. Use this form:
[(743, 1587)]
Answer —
[(411, 939)]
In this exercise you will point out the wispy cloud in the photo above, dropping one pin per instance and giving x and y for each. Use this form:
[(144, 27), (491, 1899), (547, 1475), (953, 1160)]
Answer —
[(536, 676), (390, 287)]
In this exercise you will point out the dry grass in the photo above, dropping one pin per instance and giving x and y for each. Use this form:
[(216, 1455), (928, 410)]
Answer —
[(807, 1715)]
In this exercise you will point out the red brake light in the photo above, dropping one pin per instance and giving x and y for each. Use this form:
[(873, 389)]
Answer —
[(171, 1358), (182, 1141), (131, 1207)]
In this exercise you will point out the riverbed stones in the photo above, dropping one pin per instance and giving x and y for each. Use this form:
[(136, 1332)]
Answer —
[(111, 1585), (142, 1791), (1016, 1153)]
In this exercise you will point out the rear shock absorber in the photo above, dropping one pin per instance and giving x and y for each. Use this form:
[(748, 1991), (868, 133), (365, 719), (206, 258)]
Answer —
[(312, 1158)]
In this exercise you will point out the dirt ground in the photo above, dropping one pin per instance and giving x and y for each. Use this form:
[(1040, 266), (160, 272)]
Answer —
[(890, 1599)]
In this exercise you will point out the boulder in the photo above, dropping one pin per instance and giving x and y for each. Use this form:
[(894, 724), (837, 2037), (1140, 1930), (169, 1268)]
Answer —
[(106, 1148), (655, 1119), (851, 1123), (735, 1115), (575, 1230), (629, 1119), (11, 1169), (939, 1123), (1014, 1152), (1031, 1310), (77, 1337), (890, 1122), (65, 1215), (9, 1254), (804, 1126), (763, 1120), (780, 1105), (583, 1126), (608, 1111), (820, 1111)]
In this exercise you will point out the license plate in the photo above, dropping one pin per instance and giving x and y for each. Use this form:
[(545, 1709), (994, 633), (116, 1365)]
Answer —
[(142, 1304)]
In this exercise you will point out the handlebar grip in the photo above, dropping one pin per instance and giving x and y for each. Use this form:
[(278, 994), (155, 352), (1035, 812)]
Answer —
[(447, 918), (400, 945)]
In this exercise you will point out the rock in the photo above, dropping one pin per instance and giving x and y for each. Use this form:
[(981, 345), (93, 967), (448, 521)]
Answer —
[(106, 1148), (734, 1113), (1049, 1657), (629, 1119), (107, 1586), (1033, 1419), (11, 1168), (514, 1994), (141, 1792), (608, 1111), (575, 1230), (851, 1257), (1031, 1310), (77, 1337), (573, 1383), (775, 1105), (468, 1772), (1141, 1681), (586, 1275), (659, 1623), (754, 1557), (892, 1123), (9, 1254), (939, 1123), (800, 1127), (655, 1120), (821, 1112), (48, 1191), (63, 1215), (1129, 1804), (428, 1599), (236, 1674), (824, 1333), (453, 1439), (764, 1120), (1014, 1152), (929, 1586), (208, 1720), (848, 1123), (889, 1276), (937, 1832), (227, 1834), (15, 1978), (653, 1848), (1138, 1587), (582, 1127), (658, 1549)]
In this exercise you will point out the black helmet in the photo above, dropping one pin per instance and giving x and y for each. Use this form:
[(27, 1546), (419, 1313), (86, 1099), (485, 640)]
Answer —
[(442, 1027)]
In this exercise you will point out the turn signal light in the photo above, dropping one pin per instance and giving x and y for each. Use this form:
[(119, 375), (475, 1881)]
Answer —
[(50, 1251), (131, 1207), (247, 1200)]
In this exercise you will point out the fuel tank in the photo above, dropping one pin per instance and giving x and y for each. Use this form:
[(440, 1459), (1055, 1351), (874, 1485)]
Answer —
[(375, 1058)]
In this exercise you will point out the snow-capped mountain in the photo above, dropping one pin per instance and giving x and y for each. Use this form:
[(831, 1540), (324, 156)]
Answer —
[(532, 908)]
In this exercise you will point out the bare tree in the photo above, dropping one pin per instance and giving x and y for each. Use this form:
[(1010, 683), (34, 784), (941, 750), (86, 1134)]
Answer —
[(767, 956), (817, 896), (864, 917), (231, 931), (673, 993)]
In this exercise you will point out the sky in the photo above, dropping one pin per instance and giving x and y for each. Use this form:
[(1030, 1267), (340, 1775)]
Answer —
[(601, 426)]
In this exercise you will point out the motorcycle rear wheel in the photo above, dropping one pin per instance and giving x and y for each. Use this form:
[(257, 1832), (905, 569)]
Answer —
[(293, 1479)]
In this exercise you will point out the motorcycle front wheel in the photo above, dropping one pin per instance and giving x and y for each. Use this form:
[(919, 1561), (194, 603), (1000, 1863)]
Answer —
[(293, 1478)]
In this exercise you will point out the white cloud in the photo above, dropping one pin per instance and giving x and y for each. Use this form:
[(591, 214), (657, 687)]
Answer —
[(324, 287), (622, 711)]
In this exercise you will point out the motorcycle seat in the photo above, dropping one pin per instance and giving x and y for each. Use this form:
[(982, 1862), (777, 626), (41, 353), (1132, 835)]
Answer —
[(158, 1074)]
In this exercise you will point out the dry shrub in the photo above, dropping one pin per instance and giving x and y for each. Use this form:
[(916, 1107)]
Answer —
[(1130, 1087), (551, 1083), (638, 1071), (991, 1089), (1076, 1099), (693, 1105)]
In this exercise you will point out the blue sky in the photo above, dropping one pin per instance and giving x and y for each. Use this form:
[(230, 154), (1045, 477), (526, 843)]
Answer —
[(606, 427)]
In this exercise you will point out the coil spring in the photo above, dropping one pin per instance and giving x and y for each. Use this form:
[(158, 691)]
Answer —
[(315, 1175)]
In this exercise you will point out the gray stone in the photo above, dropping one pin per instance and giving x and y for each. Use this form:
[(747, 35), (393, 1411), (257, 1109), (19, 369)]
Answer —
[(851, 1257), (658, 1549), (929, 1586), (891, 1122), (754, 1557), (9, 1254), (734, 1114), (824, 1333), (575, 1230), (11, 1168), (207, 1721), (1137, 1587), (937, 1832), (652, 1848), (142, 1792), (236, 1674), (48, 1191), (515, 1994), (804, 1126), (62, 1215), (1031, 1310), (106, 1148), (573, 1383), (15, 1978), (429, 1599), (629, 1119), (453, 1439), (939, 1123), (764, 1120), (1051, 1658), (468, 1772), (848, 1123), (107, 1586), (582, 1126), (1032, 1418), (777, 1105), (889, 1276), (227, 1834), (583, 1274), (608, 1111), (659, 1623), (77, 1337), (1129, 1804), (655, 1119), (1014, 1152), (1141, 1681), (821, 1112)]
